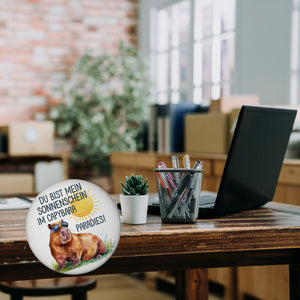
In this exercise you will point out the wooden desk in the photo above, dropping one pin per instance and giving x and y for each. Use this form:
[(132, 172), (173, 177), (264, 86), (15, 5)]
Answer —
[(266, 236), (245, 279)]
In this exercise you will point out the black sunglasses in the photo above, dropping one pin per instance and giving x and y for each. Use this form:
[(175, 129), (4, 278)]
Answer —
[(56, 226)]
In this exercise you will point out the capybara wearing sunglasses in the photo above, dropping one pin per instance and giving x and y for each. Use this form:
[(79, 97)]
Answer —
[(71, 247)]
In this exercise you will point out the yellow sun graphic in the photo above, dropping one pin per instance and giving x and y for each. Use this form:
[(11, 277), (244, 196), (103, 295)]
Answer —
[(85, 208)]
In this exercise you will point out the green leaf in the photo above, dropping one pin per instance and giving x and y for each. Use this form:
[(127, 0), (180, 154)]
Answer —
[(132, 191), (138, 189), (123, 185), (125, 192)]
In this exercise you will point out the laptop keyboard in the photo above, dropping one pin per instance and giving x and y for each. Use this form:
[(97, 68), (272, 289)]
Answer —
[(207, 199)]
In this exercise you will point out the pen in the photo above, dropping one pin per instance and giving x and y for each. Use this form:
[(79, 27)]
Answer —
[(167, 175), (24, 198), (175, 164), (185, 179), (186, 161), (173, 209), (198, 165), (162, 182)]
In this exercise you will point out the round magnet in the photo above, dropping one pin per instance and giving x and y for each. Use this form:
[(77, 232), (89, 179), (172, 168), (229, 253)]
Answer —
[(73, 227)]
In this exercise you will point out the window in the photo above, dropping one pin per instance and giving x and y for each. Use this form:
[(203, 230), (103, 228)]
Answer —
[(213, 48), (170, 52), (192, 49)]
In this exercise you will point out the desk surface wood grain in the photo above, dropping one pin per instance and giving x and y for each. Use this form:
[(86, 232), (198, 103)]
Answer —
[(269, 235)]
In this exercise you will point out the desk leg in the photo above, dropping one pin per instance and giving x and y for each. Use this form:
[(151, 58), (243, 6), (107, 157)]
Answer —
[(192, 284), (294, 282)]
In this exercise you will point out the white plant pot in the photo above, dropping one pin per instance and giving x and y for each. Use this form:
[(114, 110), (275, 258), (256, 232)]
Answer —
[(134, 208)]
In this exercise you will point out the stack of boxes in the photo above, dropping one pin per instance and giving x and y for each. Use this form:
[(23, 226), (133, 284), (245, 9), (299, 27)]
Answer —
[(212, 132)]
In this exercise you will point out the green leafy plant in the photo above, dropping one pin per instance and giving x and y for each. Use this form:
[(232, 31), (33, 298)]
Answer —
[(135, 185), (105, 101)]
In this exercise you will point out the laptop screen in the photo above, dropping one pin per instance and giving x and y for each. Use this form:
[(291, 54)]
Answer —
[(255, 158)]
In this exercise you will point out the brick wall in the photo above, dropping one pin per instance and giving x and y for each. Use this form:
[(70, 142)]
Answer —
[(40, 39)]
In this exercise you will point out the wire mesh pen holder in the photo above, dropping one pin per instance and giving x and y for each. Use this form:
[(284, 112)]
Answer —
[(179, 192)]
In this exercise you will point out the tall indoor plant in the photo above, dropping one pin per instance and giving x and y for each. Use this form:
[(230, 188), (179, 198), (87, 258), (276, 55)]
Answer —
[(105, 100)]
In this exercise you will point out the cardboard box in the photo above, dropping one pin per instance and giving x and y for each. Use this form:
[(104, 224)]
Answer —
[(232, 121), (16, 183), (29, 138), (227, 103), (206, 133)]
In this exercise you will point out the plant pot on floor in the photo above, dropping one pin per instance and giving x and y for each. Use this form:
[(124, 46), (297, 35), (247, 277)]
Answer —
[(134, 208)]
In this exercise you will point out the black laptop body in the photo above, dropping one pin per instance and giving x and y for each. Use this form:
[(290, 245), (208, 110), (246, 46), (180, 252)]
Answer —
[(254, 160)]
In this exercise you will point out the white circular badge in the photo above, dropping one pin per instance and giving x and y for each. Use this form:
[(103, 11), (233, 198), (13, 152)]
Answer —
[(73, 227)]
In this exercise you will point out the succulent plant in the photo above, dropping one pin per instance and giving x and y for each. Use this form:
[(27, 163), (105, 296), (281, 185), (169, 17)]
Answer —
[(135, 185)]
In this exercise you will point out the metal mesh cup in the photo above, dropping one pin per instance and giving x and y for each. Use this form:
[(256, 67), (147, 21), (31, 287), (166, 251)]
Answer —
[(179, 192)]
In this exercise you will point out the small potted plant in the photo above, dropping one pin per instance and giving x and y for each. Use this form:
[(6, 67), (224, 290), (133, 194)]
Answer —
[(134, 200)]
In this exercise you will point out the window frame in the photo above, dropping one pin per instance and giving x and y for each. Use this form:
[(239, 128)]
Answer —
[(147, 38)]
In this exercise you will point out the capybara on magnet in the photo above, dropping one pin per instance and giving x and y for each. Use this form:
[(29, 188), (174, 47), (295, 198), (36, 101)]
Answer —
[(66, 246)]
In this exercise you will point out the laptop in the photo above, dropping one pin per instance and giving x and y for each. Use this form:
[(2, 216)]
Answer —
[(253, 162)]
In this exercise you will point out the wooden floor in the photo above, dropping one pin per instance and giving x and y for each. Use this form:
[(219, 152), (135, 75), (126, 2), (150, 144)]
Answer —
[(115, 287)]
